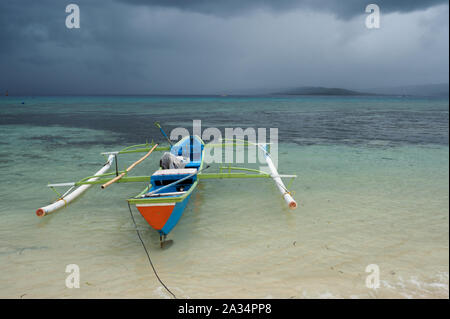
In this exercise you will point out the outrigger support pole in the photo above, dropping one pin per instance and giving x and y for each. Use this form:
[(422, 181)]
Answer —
[(129, 168)]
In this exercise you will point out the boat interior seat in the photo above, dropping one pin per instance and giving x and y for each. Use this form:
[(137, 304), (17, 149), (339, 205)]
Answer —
[(174, 171)]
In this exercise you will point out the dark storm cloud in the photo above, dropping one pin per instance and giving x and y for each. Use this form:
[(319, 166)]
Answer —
[(39, 55), (341, 8), (139, 47)]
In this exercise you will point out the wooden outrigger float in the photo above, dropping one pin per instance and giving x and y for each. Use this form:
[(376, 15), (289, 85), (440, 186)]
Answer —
[(169, 189)]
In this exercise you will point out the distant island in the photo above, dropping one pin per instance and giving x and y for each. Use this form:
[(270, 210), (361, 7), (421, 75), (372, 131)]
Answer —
[(318, 90), (425, 90)]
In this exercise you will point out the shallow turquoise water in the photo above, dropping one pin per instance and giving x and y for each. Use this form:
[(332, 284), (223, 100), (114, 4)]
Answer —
[(372, 188)]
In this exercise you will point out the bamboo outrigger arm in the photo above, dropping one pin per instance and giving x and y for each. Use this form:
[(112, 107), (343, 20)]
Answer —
[(273, 171), (65, 200), (129, 168)]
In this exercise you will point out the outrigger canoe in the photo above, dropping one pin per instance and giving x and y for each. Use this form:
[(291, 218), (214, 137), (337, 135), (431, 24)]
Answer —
[(169, 189), (163, 204)]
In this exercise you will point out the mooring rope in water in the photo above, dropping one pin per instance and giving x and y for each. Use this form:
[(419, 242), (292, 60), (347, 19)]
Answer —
[(148, 255)]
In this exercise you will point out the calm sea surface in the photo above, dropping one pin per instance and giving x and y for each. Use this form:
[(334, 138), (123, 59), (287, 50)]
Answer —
[(372, 188)]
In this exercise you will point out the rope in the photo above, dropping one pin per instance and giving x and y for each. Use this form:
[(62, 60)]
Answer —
[(148, 255), (63, 199)]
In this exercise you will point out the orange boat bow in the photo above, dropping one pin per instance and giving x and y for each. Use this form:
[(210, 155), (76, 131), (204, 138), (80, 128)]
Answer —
[(156, 214)]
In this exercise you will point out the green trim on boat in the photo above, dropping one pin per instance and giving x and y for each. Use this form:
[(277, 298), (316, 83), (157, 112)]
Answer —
[(125, 179), (231, 175), (145, 149), (167, 199)]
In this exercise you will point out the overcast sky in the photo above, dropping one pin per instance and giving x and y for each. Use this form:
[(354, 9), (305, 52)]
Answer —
[(212, 46)]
